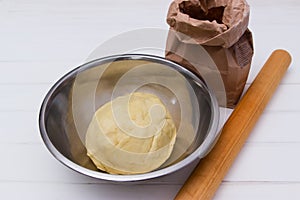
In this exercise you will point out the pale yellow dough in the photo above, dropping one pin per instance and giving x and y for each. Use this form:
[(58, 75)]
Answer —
[(130, 135)]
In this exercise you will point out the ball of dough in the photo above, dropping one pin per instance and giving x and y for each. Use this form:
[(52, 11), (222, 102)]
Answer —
[(131, 134)]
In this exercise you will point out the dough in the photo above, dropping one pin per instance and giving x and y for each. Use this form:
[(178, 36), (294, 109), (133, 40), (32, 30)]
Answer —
[(131, 134)]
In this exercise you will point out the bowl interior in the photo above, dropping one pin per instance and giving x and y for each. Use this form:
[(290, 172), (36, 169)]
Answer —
[(69, 106)]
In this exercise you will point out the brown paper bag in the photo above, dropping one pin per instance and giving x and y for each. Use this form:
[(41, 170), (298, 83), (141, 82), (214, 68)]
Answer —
[(219, 27)]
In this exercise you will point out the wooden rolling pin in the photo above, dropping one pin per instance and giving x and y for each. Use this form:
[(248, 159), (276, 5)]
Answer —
[(208, 175)]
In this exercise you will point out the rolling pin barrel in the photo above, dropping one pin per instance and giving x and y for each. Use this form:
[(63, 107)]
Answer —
[(208, 175)]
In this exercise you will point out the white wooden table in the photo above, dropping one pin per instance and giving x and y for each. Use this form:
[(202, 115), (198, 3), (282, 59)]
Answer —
[(42, 40)]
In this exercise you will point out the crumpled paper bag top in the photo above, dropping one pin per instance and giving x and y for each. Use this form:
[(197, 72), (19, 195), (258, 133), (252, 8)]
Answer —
[(209, 22)]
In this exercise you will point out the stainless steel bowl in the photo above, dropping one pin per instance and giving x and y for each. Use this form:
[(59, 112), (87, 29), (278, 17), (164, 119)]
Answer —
[(69, 105)]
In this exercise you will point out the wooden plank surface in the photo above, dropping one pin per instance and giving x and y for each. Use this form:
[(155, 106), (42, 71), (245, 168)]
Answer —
[(42, 40)]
